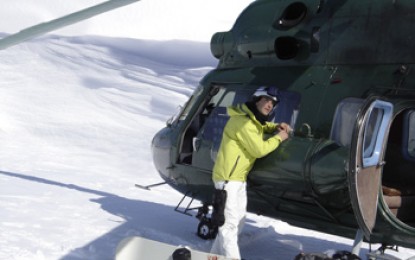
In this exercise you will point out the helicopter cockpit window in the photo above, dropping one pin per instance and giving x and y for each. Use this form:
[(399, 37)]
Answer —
[(190, 103), (409, 136), (223, 98), (213, 119)]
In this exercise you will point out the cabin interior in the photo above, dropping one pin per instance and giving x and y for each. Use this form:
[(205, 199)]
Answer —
[(398, 180)]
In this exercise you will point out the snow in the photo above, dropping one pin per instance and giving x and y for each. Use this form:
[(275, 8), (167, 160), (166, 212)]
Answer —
[(79, 108)]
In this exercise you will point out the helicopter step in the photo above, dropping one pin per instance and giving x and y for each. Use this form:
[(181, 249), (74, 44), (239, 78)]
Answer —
[(142, 248)]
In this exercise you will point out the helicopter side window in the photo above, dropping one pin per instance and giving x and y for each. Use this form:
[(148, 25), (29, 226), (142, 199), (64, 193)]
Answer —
[(217, 116), (185, 154), (409, 136), (288, 107), (375, 130), (371, 131), (214, 129), (207, 140), (344, 119)]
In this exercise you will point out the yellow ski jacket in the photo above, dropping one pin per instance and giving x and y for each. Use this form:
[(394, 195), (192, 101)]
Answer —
[(242, 143)]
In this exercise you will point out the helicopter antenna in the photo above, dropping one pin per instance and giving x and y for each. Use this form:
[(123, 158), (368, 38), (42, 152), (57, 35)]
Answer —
[(42, 28), (147, 187)]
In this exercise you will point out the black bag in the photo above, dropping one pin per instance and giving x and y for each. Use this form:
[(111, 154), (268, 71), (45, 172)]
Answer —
[(312, 256), (219, 201), (339, 255), (345, 255)]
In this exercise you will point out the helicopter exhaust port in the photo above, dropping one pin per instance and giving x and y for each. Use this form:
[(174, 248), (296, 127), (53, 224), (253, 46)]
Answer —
[(293, 15), (287, 48)]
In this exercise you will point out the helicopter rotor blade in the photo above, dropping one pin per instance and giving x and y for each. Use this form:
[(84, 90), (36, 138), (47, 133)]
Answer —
[(42, 28)]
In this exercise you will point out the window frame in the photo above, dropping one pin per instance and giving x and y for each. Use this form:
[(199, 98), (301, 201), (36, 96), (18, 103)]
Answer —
[(408, 135), (378, 133)]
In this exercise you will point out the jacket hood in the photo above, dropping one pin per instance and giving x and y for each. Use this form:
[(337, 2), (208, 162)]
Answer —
[(242, 110)]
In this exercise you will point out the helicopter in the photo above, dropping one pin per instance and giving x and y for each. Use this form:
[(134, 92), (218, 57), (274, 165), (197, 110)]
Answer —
[(344, 69), (345, 72)]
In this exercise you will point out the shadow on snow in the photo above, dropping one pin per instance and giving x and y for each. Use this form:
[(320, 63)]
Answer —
[(160, 222)]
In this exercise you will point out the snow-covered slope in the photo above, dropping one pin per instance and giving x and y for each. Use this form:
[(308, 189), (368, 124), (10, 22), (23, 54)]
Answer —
[(78, 115), (194, 20)]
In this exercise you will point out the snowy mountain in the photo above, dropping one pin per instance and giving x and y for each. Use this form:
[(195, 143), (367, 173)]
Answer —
[(78, 111), (194, 20)]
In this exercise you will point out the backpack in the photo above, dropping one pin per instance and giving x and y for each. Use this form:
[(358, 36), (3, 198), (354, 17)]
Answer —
[(339, 255), (345, 255), (312, 256)]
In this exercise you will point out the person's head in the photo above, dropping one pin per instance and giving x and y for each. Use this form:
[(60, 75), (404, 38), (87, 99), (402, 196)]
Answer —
[(266, 98)]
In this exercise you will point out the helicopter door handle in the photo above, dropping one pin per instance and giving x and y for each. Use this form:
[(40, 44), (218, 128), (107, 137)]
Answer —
[(196, 144)]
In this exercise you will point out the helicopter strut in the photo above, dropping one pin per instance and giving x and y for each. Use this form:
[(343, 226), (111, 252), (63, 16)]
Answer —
[(206, 229), (188, 208)]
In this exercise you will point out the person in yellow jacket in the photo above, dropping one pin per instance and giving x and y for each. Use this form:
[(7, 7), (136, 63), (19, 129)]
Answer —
[(242, 143)]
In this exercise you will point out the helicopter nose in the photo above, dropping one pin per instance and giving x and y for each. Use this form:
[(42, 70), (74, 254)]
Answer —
[(160, 147)]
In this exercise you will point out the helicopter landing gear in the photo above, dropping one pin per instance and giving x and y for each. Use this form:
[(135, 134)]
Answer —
[(206, 229)]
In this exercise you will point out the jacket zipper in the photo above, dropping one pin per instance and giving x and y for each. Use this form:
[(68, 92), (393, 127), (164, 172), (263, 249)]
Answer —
[(234, 166)]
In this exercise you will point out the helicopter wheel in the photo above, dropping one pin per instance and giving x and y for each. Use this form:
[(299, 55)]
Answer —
[(206, 230)]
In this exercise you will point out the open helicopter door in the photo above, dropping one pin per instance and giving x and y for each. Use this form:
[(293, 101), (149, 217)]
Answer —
[(366, 160)]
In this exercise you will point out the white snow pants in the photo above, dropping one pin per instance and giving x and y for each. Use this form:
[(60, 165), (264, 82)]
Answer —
[(226, 242)]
